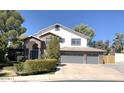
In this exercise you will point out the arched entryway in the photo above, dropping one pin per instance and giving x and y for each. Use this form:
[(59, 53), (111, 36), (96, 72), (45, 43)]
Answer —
[(34, 48)]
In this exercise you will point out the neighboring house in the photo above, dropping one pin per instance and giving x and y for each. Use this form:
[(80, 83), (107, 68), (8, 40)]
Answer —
[(73, 45)]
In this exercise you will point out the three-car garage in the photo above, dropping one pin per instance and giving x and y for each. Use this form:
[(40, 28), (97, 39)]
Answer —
[(83, 56)]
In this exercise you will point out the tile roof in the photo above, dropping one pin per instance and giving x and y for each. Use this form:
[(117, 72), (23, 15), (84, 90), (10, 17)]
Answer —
[(85, 49)]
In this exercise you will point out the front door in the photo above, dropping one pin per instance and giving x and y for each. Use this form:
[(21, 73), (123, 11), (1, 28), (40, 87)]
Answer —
[(34, 54)]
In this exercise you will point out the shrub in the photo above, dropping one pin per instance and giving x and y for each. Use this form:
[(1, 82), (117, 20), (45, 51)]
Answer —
[(53, 49), (19, 67), (2, 58), (36, 66)]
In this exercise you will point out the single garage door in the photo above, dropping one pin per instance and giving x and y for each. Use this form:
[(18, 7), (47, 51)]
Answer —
[(92, 59), (71, 57)]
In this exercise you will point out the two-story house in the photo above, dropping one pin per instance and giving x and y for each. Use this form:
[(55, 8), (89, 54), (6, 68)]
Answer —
[(73, 45)]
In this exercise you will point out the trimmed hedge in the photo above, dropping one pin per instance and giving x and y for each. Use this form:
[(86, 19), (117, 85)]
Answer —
[(36, 66)]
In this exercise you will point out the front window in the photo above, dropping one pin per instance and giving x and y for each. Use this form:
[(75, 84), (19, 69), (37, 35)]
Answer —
[(76, 41)]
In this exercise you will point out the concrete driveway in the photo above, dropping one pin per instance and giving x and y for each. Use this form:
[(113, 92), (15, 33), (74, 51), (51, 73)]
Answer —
[(79, 72), (96, 72)]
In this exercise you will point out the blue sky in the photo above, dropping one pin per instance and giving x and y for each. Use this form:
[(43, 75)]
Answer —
[(105, 23)]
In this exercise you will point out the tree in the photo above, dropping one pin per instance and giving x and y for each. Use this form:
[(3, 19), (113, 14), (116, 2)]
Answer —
[(107, 47), (10, 29), (86, 30), (101, 45), (53, 49), (118, 42), (92, 44)]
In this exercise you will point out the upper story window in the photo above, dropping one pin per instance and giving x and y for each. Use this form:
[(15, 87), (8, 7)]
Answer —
[(57, 28), (62, 40), (76, 41), (47, 41)]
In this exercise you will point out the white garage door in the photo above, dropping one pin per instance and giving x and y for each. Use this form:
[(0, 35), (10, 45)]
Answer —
[(77, 57)]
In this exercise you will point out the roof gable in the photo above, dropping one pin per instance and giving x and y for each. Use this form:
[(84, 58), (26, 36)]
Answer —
[(64, 27), (33, 38), (49, 33)]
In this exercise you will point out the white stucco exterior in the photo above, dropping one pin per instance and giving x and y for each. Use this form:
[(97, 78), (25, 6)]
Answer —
[(67, 35), (71, 41)]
